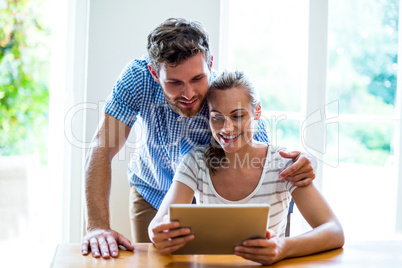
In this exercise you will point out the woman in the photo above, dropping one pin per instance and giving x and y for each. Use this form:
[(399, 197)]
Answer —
[(235, 169)]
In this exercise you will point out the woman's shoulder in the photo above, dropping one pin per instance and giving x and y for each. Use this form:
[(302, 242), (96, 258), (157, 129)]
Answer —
[(199, 150), (275, 149), (192, 165), (275, 157), (196, 154)]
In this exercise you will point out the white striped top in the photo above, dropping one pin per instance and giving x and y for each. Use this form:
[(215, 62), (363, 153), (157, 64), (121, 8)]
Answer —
[(194, 173)]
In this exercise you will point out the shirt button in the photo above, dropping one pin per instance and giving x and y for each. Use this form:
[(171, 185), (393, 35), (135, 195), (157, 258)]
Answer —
[(179, 119)]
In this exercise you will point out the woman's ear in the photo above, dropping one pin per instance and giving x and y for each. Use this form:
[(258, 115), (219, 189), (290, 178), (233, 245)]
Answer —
[(258, 112)]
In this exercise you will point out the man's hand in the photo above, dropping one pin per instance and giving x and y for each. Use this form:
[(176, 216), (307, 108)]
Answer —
[(104, 243), (301, 172)]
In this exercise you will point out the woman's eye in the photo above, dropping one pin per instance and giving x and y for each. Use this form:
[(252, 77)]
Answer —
[(238, 116), (218, 118)]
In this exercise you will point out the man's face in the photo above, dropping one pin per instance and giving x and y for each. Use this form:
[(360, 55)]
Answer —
[(186, 85)]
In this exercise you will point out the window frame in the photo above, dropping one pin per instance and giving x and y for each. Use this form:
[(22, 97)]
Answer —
[(314, 98)]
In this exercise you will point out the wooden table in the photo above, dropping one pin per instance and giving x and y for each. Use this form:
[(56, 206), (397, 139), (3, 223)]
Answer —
[(354, 254)]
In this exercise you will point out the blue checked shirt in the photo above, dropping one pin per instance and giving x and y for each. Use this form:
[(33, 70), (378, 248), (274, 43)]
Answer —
[(168, 136)]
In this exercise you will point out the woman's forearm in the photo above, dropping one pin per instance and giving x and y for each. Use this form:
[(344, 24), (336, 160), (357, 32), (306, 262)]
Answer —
[(157, 220), (324, 237)]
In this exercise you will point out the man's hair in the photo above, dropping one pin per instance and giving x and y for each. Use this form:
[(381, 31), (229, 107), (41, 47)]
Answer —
[(175, 40)]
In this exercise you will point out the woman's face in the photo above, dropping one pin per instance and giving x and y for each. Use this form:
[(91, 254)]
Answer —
[(230, 118)]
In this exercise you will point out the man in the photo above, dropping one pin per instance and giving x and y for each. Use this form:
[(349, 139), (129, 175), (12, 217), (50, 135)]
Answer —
[(167, 91)]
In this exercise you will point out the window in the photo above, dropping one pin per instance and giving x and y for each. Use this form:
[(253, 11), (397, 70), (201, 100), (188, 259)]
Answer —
[(323, 62), (362, 77), (30, 218)]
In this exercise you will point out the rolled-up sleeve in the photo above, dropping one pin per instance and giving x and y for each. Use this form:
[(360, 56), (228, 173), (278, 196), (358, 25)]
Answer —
[(124, 103)]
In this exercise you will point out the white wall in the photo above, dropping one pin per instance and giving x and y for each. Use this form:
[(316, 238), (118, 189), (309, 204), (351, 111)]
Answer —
[(117, 33)]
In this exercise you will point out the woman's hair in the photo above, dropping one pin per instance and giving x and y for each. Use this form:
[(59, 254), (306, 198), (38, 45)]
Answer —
[(175, 40), (226, 80)]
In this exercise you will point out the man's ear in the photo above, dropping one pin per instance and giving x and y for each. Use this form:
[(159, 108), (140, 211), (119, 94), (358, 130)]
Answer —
[(153, 73), (210, 65), (258, 112)]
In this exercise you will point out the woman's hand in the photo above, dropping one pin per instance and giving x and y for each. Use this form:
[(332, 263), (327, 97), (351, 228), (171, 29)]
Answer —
[(168, 237), (265, 251)]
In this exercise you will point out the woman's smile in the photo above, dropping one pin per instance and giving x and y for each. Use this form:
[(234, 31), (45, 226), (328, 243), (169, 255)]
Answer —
[(229, 138)]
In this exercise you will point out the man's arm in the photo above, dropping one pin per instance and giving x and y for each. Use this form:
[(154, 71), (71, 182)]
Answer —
[(302, 171), (109, 139)]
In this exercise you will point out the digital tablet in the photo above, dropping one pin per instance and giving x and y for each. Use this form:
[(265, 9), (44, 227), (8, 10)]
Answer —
[(218, 229)]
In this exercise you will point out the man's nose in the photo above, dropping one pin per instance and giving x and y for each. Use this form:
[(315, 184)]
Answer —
[(188, 92)]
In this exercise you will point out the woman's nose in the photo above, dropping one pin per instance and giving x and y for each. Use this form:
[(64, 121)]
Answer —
[(227, 125)]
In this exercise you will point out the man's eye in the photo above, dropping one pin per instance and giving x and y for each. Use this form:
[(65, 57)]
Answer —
[(175, 83)]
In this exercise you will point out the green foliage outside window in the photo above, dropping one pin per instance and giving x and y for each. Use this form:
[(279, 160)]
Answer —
[(363, 53), (24, 72), (362, 74), (362, 69)]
